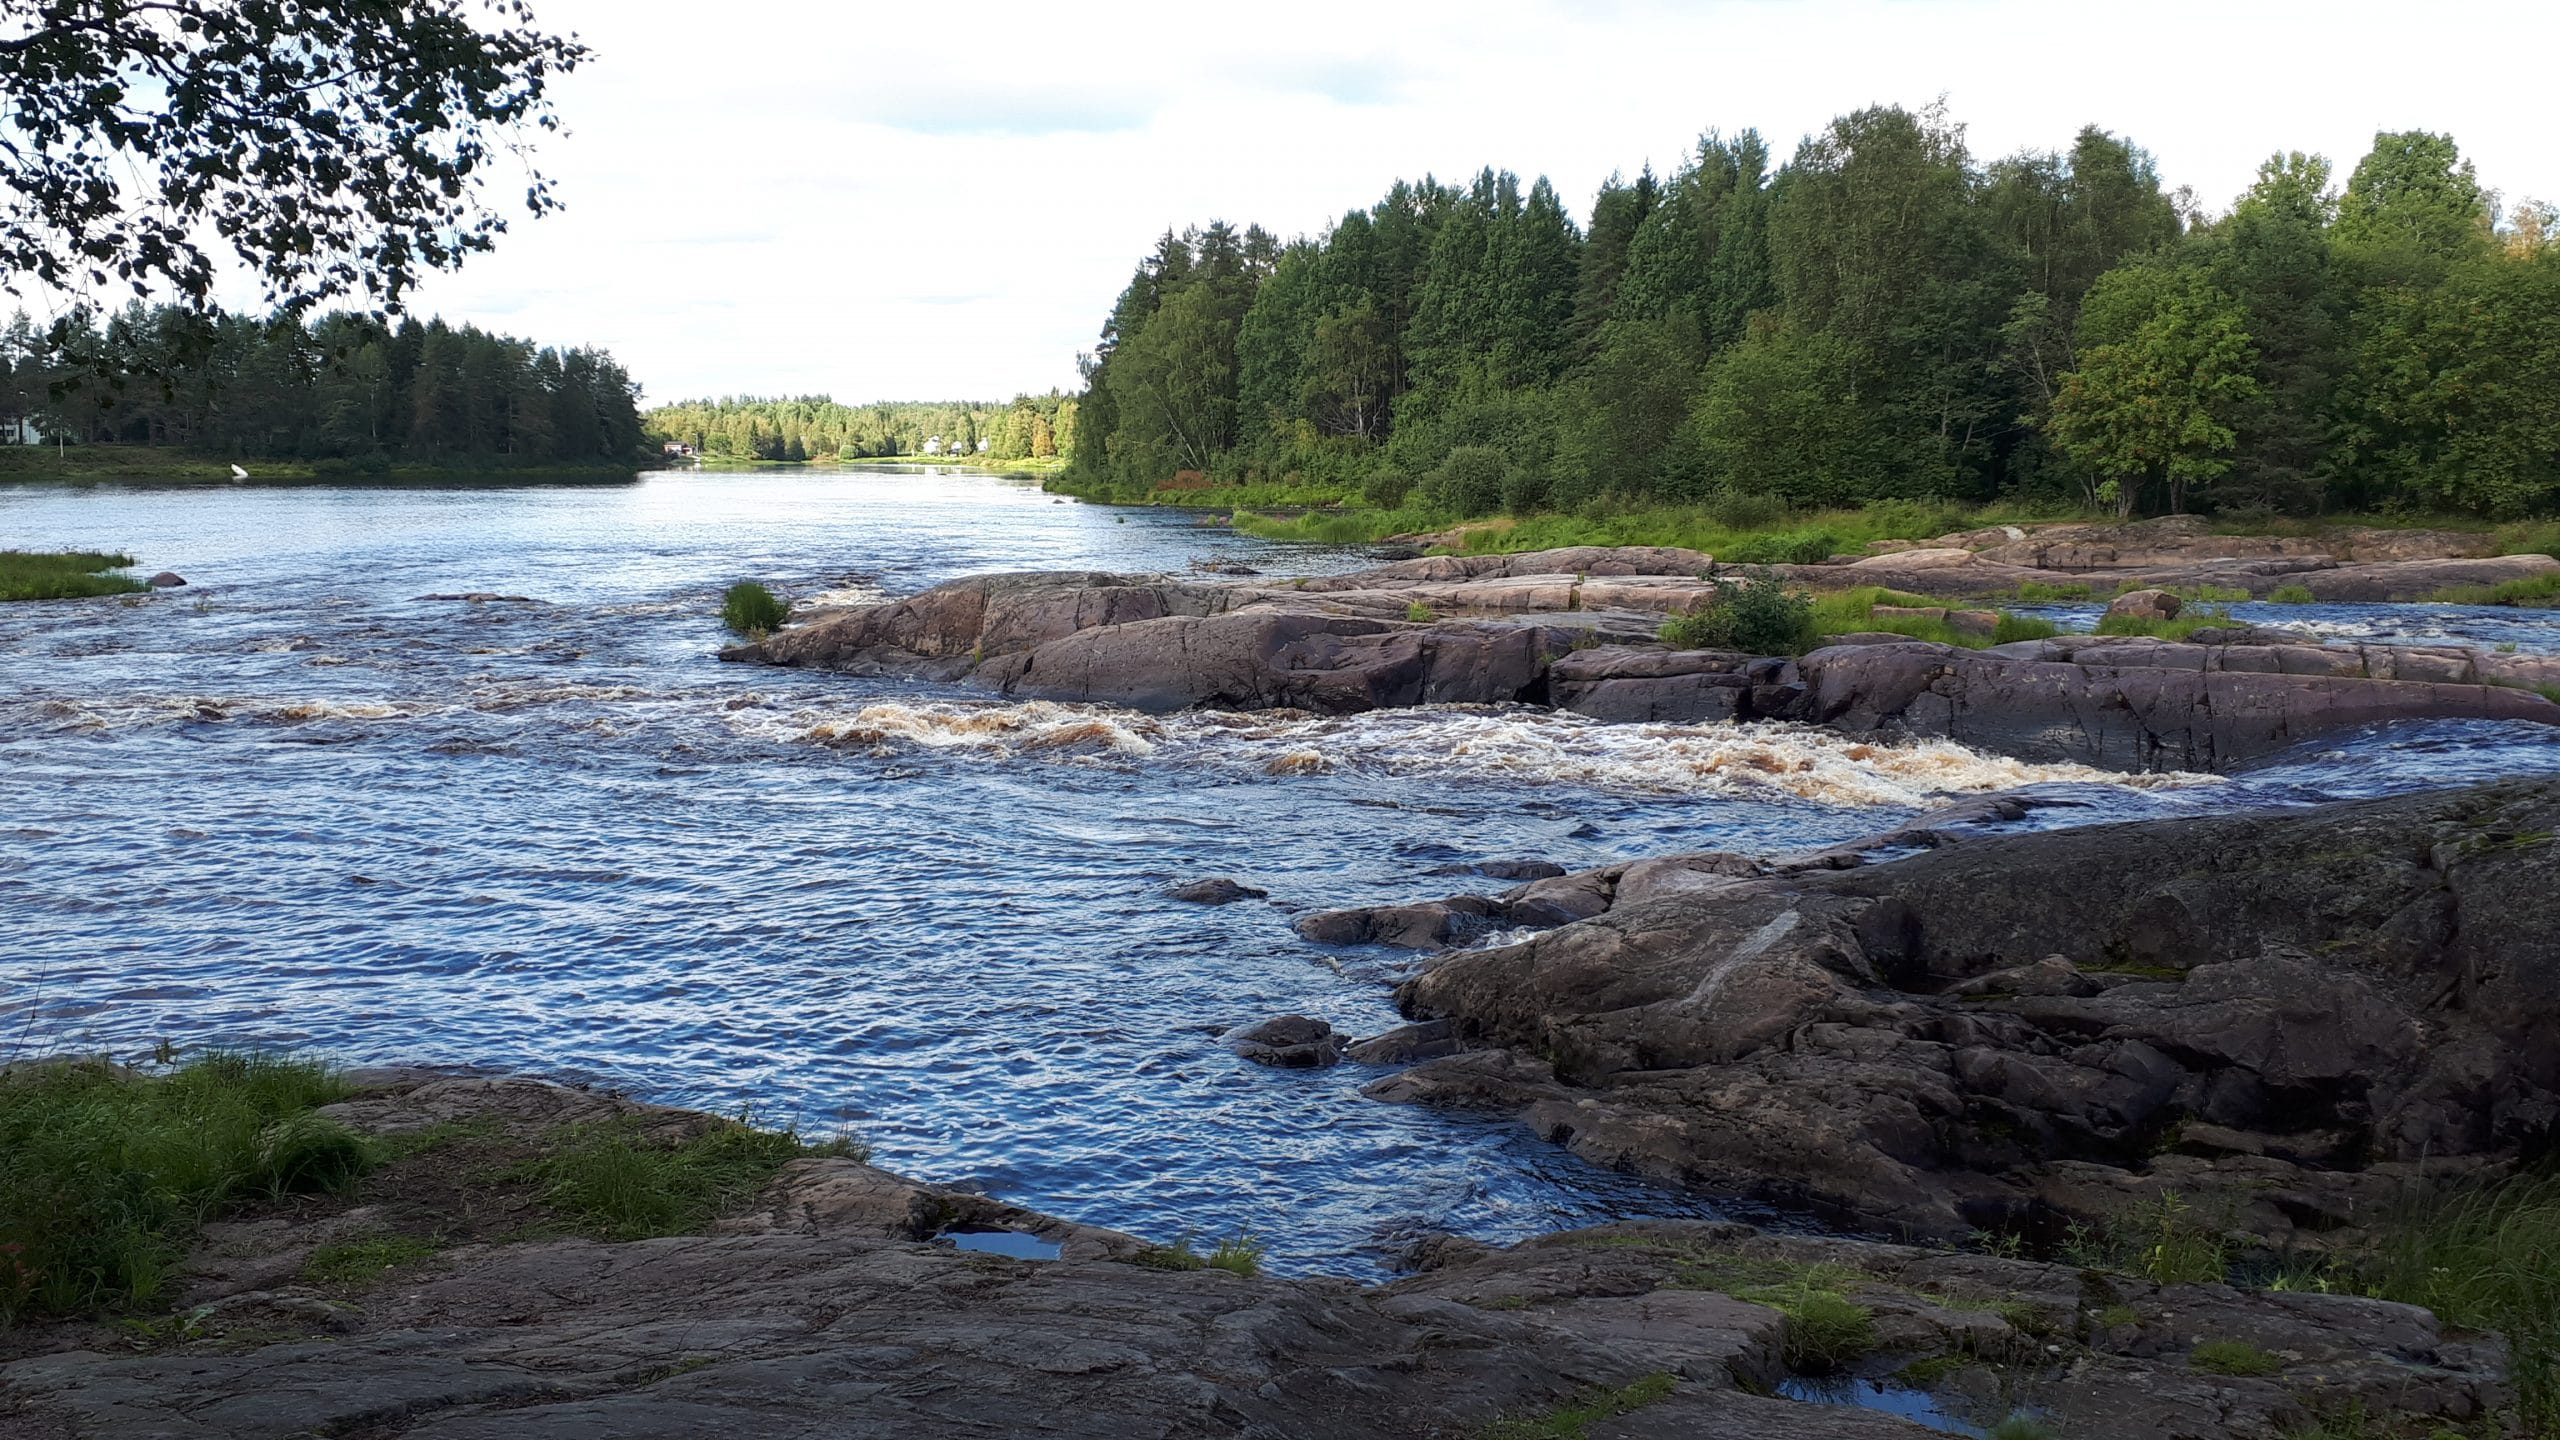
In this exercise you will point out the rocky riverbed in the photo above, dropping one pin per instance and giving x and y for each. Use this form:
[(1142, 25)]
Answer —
[(850, 1301)]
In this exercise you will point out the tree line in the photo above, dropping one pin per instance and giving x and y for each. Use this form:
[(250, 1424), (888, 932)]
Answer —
[(1880, 316), (815, 427), (344, 387)]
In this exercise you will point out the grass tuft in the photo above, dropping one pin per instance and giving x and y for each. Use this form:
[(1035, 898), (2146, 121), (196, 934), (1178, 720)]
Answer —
[(1420, 614), (2024, 1427), (105, 1176), (751, 610), (353, 1262), (2534, 591), (1237, 1254), (2233, 1357), (1573, 1419), (2483, 1257), (63, 575), (610, 1183), (2293, 595)]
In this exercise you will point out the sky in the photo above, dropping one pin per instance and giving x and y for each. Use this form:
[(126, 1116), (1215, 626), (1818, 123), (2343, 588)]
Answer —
[(936, 202)]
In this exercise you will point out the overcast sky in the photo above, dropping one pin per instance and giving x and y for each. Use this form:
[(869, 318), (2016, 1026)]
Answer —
[(940, 201)]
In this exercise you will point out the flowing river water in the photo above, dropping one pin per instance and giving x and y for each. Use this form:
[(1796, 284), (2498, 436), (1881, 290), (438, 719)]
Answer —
[(297, 805)]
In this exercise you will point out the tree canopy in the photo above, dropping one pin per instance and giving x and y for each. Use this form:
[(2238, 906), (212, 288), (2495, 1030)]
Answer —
[(336, 148), (1883, 315)]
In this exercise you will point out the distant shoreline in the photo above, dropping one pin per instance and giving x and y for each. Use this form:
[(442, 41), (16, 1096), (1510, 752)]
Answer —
[(97, 464)]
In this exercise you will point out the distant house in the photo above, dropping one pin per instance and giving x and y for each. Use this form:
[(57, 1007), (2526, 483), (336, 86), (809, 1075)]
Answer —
[(933, 444), (677, 450), (20, 430), (984, 444)]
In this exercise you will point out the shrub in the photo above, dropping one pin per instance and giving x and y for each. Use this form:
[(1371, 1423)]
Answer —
[(1747, 512), (1238, 1254), (104, 1176), (1523, 491), (1469, 482), (2232, 1357), (751, 610), (1760, 616), (1420, 614), (2293, 595), (1797, 547), (1387, 488)]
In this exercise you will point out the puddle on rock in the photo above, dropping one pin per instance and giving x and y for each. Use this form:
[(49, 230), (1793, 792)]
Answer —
[(1011, 1243), (1889, 1396)]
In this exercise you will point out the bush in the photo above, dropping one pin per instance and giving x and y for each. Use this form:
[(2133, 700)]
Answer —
[(1760, 616), (1798, 547), (1386, 488), (1420, 614), (2293, 595), (1747, 512), (1523, 491), (751, 610), (104, 1176), (2036, 591), (1469, 482)]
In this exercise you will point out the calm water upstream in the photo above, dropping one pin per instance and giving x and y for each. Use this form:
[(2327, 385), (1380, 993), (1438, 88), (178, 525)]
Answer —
[(297, 805)]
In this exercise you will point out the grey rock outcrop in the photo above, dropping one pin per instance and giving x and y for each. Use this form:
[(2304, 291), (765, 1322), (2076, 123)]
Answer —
[(2338, 1001)]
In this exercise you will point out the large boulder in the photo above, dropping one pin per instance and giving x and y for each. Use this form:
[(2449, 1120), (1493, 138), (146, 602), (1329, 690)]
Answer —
[(2145, 605)]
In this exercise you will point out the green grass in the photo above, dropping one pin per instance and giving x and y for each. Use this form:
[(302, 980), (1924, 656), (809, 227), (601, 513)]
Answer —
[(2541, 592), (1237, 1254), (751, 610), (353, 1262), (2164, 1240), (63, 574), (2482, 1257), (1419, 613), (2233, 1357), (1846, 612), (2024, 1427), (607, 1182), (105, 1178), (2293, 595), (1573, 1419), (1825, 1328)]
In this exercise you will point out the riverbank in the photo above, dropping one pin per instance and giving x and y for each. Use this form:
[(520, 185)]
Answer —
[(85, 464), (491, 1256), (64, 575)]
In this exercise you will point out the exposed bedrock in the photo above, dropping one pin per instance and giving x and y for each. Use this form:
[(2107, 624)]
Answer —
[(2291, 1014), (829, 1306), (1576, 629), (2140, 704)]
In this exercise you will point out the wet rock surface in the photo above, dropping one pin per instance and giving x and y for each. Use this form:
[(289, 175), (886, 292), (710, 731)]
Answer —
[(825, 1309), (1216, 890), (1291, 1042), (2297, 1014), (1575, 629)]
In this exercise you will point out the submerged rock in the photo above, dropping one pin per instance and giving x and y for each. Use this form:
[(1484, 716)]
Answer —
[(1215, 890), (1291, 1042), (166, 580)]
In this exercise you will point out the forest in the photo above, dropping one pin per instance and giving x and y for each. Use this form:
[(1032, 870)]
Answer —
[(343, 388), (1881, 316), (814, 427)]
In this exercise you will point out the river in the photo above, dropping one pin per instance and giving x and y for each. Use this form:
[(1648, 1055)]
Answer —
[(297, 805)]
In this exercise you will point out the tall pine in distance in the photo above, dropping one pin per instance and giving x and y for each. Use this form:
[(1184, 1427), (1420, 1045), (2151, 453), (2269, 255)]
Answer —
[(1884, 314)]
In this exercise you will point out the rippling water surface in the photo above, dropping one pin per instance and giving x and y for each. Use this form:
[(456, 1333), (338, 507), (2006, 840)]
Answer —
[(295, 804)]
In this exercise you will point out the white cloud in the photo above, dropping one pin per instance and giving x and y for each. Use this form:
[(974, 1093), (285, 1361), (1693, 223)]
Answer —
[(924, 202)]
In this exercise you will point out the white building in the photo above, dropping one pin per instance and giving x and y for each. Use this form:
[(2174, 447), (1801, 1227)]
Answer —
[(21, 430), (933, 444)]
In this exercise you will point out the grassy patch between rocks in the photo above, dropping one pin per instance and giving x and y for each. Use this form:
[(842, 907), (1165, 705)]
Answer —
[(1573, 1419), (106, 1175), (2537, 591), (355, 1262), (750, 609), (609, 1183), (2233, 1357), (1237, 1254), (63, 574), (2484, 1257)]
